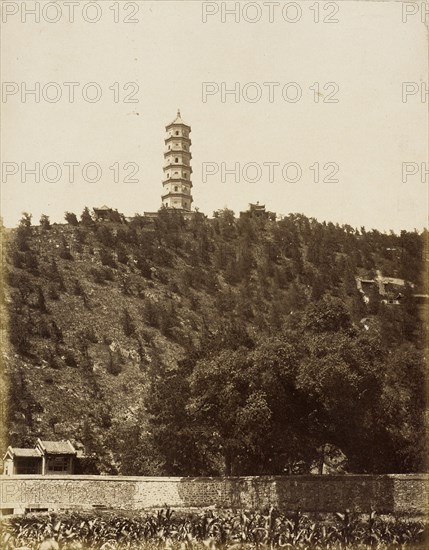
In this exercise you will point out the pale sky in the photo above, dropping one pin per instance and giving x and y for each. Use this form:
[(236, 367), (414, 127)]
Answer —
[(170, 53)]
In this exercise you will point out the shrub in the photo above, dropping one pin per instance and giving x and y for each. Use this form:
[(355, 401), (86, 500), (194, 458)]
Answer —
[(31, 262), (19, 331), (64, 250), (23, 233), (20, 281), (128, 324), (69, 358), (122, 255), (43, 328), (77, 288), (57, 332), (105, 236), (144, 267), (41, 302), (86, 218), (115, 362), (54, 274), (88, 334), (71, 218), (52, 360), (101, 275), (126, 285), (18, 258), (44, 222), (150, 312), (53, 293), (107, 258)]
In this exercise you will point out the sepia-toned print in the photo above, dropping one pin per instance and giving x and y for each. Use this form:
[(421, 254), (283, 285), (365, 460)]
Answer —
[(214, 275)]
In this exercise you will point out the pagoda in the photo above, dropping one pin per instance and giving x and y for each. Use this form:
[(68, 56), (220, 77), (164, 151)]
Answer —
[(177, 181)]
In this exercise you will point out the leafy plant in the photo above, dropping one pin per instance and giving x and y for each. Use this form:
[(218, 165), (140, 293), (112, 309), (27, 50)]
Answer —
[(165, 529)]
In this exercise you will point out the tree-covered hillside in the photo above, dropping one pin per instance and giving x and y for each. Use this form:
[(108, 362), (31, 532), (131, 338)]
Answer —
[(212, 346)]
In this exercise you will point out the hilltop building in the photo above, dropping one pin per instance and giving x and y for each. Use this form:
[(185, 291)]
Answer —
[(103, 213), (388, 288), (258, 211), (177, 182), (107, 214)]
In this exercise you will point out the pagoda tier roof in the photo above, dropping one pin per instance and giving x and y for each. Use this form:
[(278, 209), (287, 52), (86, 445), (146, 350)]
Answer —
[(181, 151), (168, 166), (177, 194), (173, 138), (178, 180)]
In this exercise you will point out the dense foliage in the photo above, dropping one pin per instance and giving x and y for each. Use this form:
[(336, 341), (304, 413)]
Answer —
[(212, 530), (217, 345)]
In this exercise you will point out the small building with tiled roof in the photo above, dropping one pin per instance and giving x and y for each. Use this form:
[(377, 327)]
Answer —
[(56, 447), (258, 211), (47, 458), (387, 288), (22, 461), (102, 213)]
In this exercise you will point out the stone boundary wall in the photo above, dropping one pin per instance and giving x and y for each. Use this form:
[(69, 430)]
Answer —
[(402, 493)]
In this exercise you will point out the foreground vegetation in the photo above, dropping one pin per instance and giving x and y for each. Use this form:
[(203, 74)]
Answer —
[(105, 531)]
